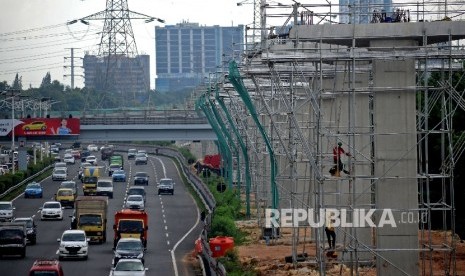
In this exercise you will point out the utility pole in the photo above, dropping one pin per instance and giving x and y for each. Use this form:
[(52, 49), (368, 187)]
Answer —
[(72, 67)]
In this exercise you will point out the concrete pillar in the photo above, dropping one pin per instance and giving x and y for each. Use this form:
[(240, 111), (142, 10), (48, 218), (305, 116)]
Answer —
[(395, 161)]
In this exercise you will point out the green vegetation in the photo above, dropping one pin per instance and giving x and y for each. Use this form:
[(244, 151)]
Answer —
[(9, 180), (227, 211)]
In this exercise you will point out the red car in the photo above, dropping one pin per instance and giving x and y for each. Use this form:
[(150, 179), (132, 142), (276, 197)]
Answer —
[(76, 154), (46, 267)]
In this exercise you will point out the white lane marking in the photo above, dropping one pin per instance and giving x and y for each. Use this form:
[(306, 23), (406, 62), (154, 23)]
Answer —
[(168, 243), (162, 165), (166, 228), (164, 221), (173, 258), (166, 234)]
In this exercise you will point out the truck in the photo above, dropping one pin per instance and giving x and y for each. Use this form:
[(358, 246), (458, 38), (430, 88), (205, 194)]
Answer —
[(13, 238), (117, 159), (89, 179), (90, 215), (130, 224), (106, 152)]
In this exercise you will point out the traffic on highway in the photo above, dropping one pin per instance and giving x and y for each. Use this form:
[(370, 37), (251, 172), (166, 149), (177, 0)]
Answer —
[(102, 214)]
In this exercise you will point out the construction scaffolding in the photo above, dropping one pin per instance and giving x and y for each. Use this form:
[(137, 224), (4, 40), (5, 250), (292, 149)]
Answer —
[(368, 87)]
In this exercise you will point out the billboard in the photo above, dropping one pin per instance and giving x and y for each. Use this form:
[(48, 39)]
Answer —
[(40, 126)]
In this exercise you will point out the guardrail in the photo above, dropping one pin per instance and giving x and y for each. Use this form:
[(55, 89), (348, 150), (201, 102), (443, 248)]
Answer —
[(24, 181), (210, 263)]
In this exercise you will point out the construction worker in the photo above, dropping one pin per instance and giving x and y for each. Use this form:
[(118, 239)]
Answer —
[(330, 234), (337, 152)]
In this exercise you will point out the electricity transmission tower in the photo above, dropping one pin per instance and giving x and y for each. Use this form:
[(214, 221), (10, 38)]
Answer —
[(117, 43)]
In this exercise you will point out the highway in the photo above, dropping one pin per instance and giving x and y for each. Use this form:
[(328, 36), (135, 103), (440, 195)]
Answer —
[(173, 225)]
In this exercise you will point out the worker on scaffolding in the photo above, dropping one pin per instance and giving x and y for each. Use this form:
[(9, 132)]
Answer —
[(330, 234), (338, 165)]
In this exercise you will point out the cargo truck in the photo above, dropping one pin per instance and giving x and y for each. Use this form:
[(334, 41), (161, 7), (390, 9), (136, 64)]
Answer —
[(91, 216), (130, 224), (13, 238), (89, 180)]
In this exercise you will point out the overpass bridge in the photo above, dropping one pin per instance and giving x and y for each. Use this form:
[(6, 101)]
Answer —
[(130, 127)]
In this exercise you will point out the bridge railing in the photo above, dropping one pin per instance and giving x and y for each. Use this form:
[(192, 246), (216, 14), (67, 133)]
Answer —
[(141, 120)]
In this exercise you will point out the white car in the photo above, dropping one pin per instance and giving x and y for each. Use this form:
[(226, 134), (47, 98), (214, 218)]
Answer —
[(91, 159), (68, 158), (73, 244), (92, 147), (59, 174), (51, 210), (6, 211), (129, 267), (135, 202)]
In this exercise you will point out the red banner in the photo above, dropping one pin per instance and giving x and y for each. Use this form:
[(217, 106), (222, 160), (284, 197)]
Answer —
[(48, 126)]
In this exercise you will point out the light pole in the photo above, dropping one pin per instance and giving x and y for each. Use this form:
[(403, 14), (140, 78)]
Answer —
[(12, 92)]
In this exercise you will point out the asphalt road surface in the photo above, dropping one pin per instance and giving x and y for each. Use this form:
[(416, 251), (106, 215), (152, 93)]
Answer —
[(173, 225)]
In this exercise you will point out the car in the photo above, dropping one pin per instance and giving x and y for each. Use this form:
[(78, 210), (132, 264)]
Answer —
[(31, 229), (91, 159), (105, 187), (69, 159), (73, 244), (119, 176), (129, 248), (34, 189), (132, 153), (166, 186), (36, 125), (135, 202), (141, 158), (59, 174), (69, 184), (51, 210), (62, 165), (7, 211), (5, 168), (76, 154), (129, 267), (136, 190), (45, 268), (141, 178), (84, 154), (54, 149), (114, 167), (92, 147)]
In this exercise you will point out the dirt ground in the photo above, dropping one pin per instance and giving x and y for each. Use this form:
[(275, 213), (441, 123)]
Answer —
[(270, 259)]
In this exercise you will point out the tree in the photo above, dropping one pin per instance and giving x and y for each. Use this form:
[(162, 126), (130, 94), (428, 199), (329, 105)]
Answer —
[(18, 82), (4, 86), (46, 81)]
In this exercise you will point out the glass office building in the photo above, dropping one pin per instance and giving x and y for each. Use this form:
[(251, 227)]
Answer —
[(186, 53)]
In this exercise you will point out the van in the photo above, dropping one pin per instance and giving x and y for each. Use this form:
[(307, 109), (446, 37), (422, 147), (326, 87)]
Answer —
[(105, 187), (66, 197)]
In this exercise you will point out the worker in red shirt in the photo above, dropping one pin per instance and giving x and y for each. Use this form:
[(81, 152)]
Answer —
[(337, 152)]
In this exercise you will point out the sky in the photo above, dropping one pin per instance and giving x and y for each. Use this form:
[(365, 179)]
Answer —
[(35, 39)]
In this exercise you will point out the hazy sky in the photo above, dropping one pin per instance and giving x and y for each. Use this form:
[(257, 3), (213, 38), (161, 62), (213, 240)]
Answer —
[(34, 37)]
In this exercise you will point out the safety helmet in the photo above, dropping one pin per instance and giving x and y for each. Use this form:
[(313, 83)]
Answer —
[(340, 143)]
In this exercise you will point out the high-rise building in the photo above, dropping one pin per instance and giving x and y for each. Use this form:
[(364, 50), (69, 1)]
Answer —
[(186, 53), (361, 11), (121, 75)]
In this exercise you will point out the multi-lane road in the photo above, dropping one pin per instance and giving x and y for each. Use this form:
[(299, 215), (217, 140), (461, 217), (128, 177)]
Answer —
[(173, 225)]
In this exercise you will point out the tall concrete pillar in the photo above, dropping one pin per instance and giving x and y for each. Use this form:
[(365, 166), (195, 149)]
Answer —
[(395, 161)]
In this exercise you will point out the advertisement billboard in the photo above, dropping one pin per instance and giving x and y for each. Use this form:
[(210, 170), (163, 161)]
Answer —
[(41, 126)]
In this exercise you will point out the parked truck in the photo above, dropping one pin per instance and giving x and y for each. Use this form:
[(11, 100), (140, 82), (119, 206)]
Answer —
[(130, 224), (91, 216), (89, 180), (13, 238)]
